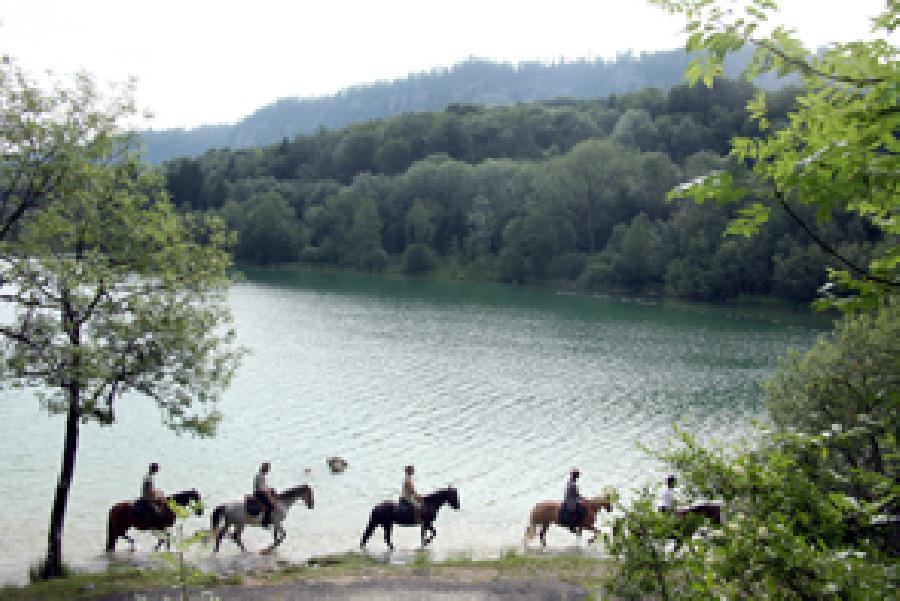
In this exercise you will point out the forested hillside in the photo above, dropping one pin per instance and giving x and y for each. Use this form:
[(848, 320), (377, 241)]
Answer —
[(569, 191), (472, 81)]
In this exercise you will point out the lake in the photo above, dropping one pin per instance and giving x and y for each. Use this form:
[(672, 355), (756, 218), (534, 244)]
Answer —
[(497, 390)]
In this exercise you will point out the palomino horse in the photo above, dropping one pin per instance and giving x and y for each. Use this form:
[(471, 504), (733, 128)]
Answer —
[(122, 517), (385, 514), (547, 512), (234, 515)]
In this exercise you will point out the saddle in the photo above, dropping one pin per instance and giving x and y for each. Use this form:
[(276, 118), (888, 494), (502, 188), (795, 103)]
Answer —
[(571, 519), (253, 506), (404, 513), (142, 509)]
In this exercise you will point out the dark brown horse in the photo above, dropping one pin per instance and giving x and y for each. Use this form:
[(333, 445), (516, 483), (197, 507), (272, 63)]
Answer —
[(694, 516), (547, 512), (386, 515), (122, 518)]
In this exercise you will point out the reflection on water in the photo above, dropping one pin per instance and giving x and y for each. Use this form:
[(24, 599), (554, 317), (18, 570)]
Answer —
[(496, 390)]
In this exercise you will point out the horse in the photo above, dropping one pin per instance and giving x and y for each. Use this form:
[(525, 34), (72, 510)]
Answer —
[(693, 516), (385, 514), (547, 512), (235, 515), (122, 517)]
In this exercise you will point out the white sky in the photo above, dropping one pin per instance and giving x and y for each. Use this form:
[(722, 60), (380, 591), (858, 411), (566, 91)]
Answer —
[(215, 61)]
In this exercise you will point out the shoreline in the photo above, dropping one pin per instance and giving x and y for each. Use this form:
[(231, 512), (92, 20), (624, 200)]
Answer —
[(349, 575)]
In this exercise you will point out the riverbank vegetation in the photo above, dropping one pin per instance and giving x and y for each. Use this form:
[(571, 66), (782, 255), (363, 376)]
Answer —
[(811, 502), (569, 192), (579, 570)]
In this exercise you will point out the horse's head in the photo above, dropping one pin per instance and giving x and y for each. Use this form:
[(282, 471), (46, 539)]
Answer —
[(304, 491), (189, 498), (435, 500), (452, 497), (713, 511), (602, 501)]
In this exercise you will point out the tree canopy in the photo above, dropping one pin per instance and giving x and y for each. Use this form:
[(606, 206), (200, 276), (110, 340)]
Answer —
[(838, 148), (811, 501), (109, 290)]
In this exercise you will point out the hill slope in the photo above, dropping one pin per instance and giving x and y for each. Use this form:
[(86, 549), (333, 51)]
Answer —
[(472, 81)]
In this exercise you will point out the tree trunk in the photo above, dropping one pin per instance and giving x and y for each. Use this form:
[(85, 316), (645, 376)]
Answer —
[(53, 567)]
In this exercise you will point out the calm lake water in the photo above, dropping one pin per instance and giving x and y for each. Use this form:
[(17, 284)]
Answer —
[(497, 390)]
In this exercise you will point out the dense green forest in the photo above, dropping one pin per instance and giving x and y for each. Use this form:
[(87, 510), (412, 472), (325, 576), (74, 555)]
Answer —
[(565, 191), (476, 81)]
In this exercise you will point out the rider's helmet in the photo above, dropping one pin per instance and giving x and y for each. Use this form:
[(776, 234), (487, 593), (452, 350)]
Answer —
[(410, 470), (575, 473), (154, 467), (265, 467), (670, 480)]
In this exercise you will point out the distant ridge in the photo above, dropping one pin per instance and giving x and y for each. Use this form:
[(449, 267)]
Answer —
[(475, 81)]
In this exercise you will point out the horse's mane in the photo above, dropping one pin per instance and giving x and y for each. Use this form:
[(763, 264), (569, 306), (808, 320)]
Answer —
[(440, 492), (293, 493)]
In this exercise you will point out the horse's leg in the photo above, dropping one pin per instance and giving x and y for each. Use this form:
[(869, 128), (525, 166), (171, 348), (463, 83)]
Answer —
[(221, 531), (370, 528), (237, 537), (130, 541), (544, 527), (165, 539), (387, 534), (279, 535)]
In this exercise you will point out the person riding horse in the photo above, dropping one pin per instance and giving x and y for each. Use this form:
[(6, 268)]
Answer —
[(152, 500), (409, 499), (573, 510), (667, 499), (263, 493)]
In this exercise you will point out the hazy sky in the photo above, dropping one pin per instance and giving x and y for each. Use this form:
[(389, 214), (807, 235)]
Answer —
[(215, 61)]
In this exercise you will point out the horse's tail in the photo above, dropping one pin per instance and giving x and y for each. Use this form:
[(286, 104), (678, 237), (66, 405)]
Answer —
[(531, 529), (215, 519), (113, 528)]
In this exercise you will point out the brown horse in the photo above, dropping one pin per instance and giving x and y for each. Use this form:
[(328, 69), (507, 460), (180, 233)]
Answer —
[(122, 518), (547, 512)]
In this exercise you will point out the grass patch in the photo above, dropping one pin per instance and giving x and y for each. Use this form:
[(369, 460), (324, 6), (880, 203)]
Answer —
[(86, 585)]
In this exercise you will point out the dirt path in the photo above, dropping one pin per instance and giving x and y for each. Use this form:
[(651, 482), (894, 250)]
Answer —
[(399, 589)]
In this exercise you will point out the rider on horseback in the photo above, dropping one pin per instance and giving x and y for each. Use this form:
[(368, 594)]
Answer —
[(667, 499), (152, 498), (408, 494), (263, 493), (572, 509)]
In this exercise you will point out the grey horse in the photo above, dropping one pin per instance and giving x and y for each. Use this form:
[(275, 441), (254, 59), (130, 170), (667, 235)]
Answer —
[(235, 516)]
